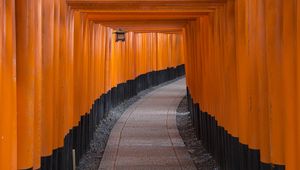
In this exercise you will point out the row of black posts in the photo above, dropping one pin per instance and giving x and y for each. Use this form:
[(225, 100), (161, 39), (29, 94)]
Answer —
[(80, 136), (225, 148)]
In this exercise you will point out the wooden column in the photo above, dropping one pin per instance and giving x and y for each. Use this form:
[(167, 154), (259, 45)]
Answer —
[(8, 100)]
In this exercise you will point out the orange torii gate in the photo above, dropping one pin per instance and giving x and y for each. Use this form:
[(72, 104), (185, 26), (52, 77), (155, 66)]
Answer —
[(58, 57)]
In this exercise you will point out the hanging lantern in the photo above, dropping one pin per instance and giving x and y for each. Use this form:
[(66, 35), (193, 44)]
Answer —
[(120, 35)]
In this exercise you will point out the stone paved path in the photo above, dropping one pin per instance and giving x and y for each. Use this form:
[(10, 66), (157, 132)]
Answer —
[(146, 135)]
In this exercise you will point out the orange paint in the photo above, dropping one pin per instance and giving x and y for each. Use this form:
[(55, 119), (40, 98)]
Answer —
[(8, 109), (58, 57)]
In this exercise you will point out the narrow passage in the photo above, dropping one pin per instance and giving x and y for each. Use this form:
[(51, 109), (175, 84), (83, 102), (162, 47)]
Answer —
[(146, 135)]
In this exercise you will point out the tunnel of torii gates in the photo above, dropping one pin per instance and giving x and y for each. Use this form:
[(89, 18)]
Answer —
[(61, 71)]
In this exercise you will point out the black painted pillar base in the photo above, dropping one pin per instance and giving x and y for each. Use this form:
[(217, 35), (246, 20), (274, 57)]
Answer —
[(225, 148), (80, 136)]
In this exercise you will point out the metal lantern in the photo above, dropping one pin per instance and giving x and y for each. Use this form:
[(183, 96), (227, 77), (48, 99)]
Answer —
[(120, 35)]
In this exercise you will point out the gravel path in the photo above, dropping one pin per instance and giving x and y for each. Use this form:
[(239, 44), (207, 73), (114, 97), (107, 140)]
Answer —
[(146, 136), (202, 159), (91, 160)]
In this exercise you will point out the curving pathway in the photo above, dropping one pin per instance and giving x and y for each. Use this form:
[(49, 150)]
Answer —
[(146, 135)]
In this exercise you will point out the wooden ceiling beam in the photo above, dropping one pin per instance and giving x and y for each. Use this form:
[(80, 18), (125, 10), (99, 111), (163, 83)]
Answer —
[(103, 17), (146, 5), (147, 15)]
